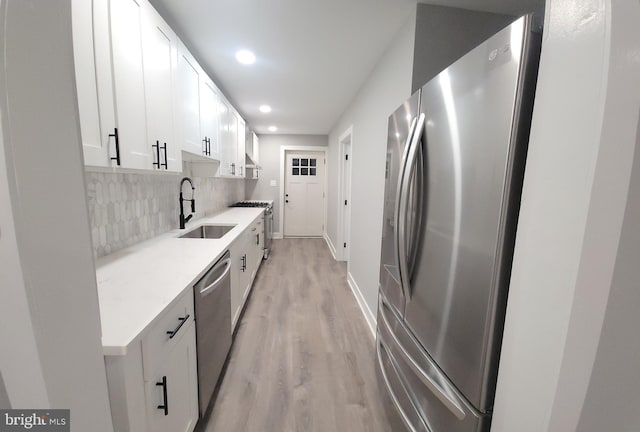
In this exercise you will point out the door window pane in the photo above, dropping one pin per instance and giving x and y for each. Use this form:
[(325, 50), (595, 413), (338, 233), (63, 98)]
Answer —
[(304, 171), (312, 162), (312, 171), (304, 162), (295, 171), (296, 162)]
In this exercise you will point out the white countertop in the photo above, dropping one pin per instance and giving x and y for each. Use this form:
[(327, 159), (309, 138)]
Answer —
[(136, 284)]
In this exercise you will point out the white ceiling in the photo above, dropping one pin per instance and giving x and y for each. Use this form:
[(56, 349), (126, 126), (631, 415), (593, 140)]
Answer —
[(312, 56)]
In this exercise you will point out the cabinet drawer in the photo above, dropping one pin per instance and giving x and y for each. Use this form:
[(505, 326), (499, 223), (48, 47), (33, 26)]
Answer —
[(165, 333), (254, 229)]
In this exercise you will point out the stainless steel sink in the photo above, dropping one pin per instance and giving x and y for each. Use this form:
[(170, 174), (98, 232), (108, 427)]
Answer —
[(208, 231)]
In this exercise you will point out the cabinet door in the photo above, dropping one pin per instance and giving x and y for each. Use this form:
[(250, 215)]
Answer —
[(160, 55), (237, 277), (128, 79), (189, 102), (209, 117), (249, 144), (256, 155), (228, 140), (240, 172), (260, 243), (250, 260), (175, 386), (90, 41), (256, 149)]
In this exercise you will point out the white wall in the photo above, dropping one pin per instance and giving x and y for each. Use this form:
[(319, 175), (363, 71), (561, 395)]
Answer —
[(51, 353), (578, 172), (385, 89), (270, 162), (613, 396), (444, 34)]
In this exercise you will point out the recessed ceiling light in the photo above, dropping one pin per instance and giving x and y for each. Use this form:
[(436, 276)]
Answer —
[(272, 128), (265, 108), (245, 57)]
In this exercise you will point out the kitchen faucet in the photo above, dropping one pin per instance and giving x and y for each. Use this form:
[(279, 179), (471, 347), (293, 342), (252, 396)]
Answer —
[(184, 220)]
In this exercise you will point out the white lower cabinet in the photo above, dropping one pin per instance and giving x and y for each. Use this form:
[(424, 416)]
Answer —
[(246, 256), (239, 277), (257, 246), (153, 385), (171, 395)]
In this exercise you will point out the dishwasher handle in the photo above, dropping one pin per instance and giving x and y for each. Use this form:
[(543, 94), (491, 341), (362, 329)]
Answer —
[(210, 288)]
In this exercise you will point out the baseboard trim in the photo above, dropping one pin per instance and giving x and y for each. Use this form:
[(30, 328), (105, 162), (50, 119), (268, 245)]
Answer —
[(368, 315), (332, 248), (277, 236)]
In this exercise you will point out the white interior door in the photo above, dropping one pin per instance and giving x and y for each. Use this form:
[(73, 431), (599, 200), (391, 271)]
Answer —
[(304, 194)]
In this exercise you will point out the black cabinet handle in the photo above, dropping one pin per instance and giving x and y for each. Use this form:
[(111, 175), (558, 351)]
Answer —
[(233, 169), (165, 405), (165, 157), (117, 139), (244, 262), (207, 146), (257, 239), (175, 331), (157, 147)]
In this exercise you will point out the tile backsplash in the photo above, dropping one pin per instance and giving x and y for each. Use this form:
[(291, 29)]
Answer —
[(128, 208)]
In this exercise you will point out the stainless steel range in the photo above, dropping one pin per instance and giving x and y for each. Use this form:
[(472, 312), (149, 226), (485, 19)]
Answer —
[(268, 220)]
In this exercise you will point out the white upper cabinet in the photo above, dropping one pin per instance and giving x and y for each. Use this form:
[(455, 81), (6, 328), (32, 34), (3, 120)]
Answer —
[(241, 146), (198, 108), (252, 147), (228, 130), (128, 80), (143, 98), (253, 152), (125, 58), (92, 56), (86, 83), (209, 118), (160, 58), (189, 106)]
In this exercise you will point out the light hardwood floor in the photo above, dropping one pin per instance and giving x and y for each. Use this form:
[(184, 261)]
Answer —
[(303, 356)]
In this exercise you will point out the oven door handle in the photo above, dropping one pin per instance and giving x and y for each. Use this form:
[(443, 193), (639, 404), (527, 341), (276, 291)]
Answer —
[(211, 288)]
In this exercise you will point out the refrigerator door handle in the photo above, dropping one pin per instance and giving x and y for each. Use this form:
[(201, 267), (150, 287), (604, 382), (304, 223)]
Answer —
[(417, 211), (398, 215), (429, 382), (394, 398), (409, 166)]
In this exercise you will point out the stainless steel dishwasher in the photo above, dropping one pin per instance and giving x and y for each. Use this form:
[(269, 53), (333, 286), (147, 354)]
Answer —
[(212, 296)]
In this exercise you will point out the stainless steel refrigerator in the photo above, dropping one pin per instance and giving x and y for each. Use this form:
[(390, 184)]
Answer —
[(455, 162)]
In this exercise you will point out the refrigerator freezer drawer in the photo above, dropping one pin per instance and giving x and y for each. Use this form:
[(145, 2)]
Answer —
[(397, 398), (433, 397)]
